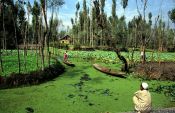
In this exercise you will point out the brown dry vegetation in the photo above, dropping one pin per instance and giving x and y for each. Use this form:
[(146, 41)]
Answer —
[(156, 70)]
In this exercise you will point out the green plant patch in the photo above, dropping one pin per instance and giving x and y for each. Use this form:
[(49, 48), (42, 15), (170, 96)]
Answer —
[(10, 62), (81, 89)]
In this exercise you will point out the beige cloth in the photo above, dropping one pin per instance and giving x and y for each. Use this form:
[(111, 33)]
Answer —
[(142, 101)]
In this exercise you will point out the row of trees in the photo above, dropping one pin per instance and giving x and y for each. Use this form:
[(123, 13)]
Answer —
[(17, 28), (92, 27)]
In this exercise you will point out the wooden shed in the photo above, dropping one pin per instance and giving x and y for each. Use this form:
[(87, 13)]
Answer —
[(65, 40)]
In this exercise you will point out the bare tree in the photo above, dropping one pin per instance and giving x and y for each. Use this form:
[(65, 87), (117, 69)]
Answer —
[(44, 5), (142, 26)]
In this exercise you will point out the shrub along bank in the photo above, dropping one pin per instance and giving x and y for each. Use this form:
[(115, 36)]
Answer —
[(32, 78)]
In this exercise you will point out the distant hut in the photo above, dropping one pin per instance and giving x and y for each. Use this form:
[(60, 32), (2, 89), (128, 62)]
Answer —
[(65, 40)]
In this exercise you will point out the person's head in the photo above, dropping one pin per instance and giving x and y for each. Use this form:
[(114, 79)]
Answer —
[(144, 86)]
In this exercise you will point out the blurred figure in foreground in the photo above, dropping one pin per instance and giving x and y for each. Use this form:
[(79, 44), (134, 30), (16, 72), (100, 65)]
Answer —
[(142, 99)]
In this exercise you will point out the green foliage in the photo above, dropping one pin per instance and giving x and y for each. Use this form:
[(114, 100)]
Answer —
[(124, 3), (150, 16), (10, 62), (56, 23), (36, 9), (72, 21), (29, 7), (81, 20), (78, 6), (21, 15), (113, 21), (77, 46), (84, 7), (172, 15), (102, 4), (11, 13), (55, 3), (113, 8)]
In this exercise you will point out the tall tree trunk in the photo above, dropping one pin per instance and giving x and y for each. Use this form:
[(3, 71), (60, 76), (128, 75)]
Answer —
[(90, 34), (16, 43), (87, 36), (92, 39), (2, 70), (36, 52), (54, 46), (144, 55), (44, 42), (25, 48), (132, 55), (39, 39), (91, 28), (2, 41), (37, 42), (134, 45), (50, 35), (160, 43), (4, 31), (84, 29), (101, 44), (72, 36), (143, 37), (33, 38)]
